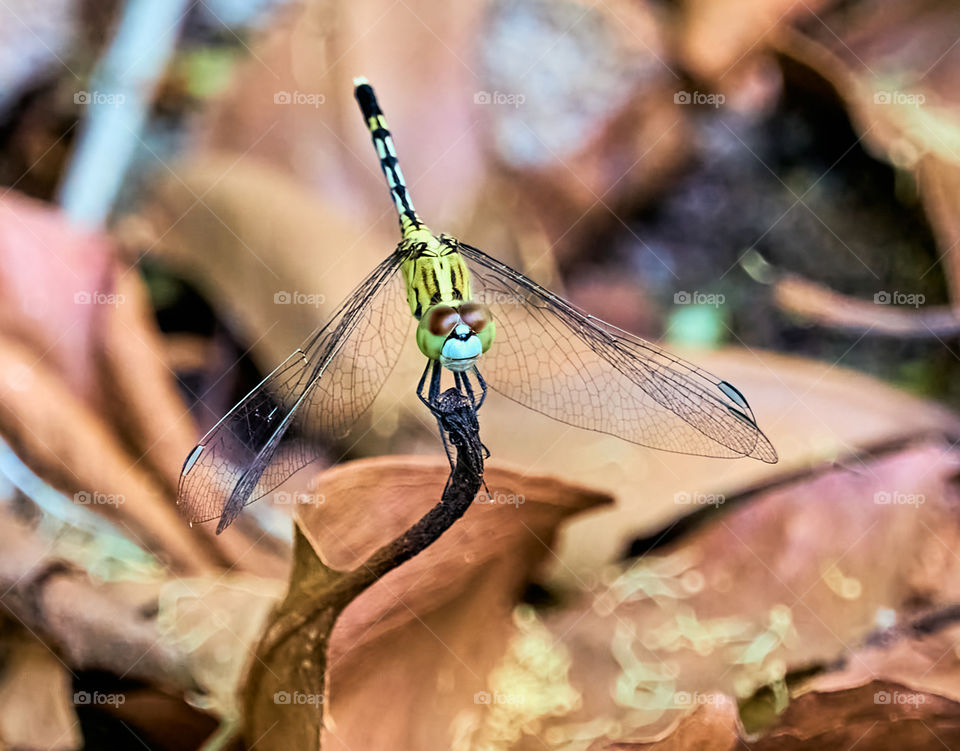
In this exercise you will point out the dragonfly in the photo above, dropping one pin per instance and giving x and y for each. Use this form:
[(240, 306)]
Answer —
[(485, 323)]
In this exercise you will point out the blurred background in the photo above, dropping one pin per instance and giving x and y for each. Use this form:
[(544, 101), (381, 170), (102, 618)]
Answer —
[(769, 187)]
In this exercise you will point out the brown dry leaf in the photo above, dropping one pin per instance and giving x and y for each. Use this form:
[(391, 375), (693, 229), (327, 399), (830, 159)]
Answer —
[(716, 36), (144, 403), (446, 613), (214, 623), (36, 699), (712, 726), (853, 717), (88, 319), (762, 590), (844, 718), (813, 412), (821, 305), (920, 657), (189, 636), (317, 49), (48, 269), (621, 129), (895, 67), (90, 404), (585, 123), (91, 624), (254, 234), (69, 445), (900, 692)]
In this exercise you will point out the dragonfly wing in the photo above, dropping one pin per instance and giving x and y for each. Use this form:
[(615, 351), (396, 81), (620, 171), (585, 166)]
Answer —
[(554, 359), (320, 390)]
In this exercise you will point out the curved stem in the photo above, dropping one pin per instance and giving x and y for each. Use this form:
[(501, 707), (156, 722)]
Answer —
[(283, 696)]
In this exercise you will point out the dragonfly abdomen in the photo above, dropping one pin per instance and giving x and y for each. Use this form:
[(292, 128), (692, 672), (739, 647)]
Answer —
[(383, 142)]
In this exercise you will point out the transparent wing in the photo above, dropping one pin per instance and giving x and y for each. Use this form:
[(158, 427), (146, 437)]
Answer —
[(321, 389), (554, 359)]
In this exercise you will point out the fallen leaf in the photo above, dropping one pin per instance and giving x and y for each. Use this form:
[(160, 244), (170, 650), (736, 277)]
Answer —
[(581, 112), (894, 68), (254, 241), (854, 717), (315, 51), (450, 607), (145, 406), (716, 36), (68, 444), (56, 295), (713, 726), (37, 699), (920, 656), (812, 412), (91, 405), (825, 307), (759, 591)]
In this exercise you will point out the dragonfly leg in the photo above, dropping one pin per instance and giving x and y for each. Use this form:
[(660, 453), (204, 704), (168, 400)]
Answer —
[(483, 387), (434, 392), (423, 380), (435, 383), (463, 383), (476, 405), (430, 401), (434, 398)]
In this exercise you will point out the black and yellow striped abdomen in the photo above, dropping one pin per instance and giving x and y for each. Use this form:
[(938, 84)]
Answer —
[(434, 271)]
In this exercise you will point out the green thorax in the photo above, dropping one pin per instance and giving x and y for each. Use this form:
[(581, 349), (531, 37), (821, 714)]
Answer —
[(434, 271)]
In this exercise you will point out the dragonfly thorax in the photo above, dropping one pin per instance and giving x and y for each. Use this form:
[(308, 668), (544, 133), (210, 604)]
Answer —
[(433, 270), (456, 333)]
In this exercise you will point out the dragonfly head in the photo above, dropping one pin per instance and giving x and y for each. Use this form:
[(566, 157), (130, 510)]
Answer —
[(456, 333)]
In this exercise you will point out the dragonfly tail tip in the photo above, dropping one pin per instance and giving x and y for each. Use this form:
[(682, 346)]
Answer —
[(360, 81)]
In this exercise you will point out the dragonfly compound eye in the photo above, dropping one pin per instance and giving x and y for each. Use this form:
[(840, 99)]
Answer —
[(442, 319), (480, 320), (475, 315), (435, 326)]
